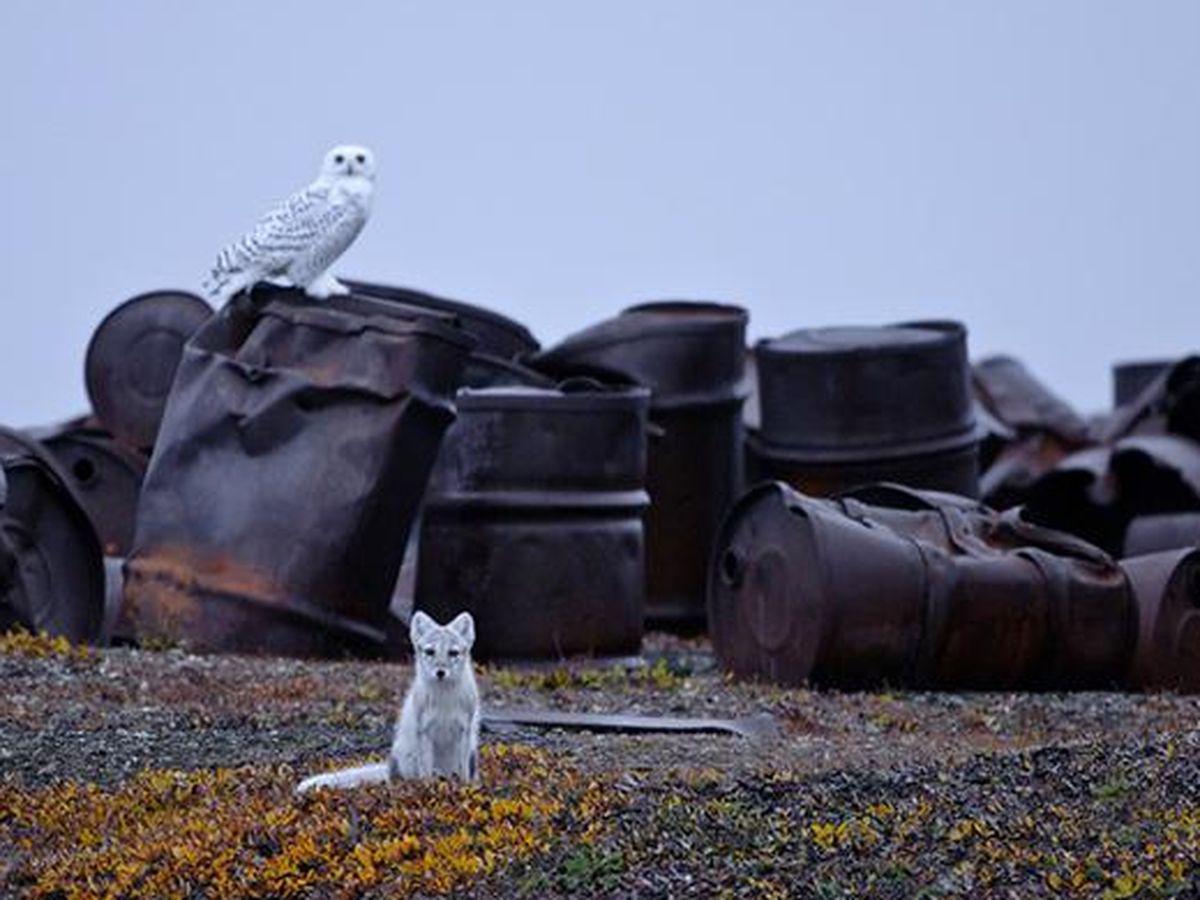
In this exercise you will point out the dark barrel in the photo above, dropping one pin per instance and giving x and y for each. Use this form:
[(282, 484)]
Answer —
[(51, 566), (132, 357), (292, 459), (887, 585), (1133, 377), (533, 521), (105, 474), (691, 355), (1167, 589), (496, 334), (850, 405)]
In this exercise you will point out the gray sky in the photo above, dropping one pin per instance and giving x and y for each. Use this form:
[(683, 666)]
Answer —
[(1032, 168)]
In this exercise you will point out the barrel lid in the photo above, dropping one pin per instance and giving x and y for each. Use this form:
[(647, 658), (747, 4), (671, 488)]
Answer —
[(839, 340), (131, 360)]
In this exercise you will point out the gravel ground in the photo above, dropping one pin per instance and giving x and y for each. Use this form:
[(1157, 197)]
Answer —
[(883, 794)]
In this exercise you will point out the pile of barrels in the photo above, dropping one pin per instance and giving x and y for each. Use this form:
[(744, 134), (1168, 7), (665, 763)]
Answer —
[(845, 506)]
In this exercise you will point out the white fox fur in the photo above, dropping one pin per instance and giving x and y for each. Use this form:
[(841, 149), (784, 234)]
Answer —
[(438, 729)]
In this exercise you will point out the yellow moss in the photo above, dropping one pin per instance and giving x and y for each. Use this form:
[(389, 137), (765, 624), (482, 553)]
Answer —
[(242, 832), (20, 642)]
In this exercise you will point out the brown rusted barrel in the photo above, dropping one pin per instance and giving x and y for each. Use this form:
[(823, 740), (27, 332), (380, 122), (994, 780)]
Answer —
[(691, 355), (105, 474), (847, 406), (51, 567), (890, 585), (1167, 589), (533, 521), (132, 357), (292, 459), (497, 335)]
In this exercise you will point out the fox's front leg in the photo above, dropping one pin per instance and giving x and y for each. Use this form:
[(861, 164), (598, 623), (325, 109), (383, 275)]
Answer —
[(424, 756)]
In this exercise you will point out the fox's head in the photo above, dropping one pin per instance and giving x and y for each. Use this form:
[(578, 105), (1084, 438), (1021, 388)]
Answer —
[(442, 652)]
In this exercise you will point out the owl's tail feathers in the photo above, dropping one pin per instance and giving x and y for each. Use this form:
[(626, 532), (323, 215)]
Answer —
[(222, 283)]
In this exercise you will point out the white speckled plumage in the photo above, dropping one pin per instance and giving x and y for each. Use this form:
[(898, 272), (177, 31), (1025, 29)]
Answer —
[(303, 236)]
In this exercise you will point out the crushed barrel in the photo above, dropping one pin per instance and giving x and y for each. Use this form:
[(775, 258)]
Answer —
[(292, 459), (533, 521)]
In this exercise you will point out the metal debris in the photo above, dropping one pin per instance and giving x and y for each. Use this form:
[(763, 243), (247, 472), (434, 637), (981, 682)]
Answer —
[(847, 406), (132, 357), (887, 585), (292, 458), (755, 728), (691, 356), (1167, 589), (51, 566), (533, 521)]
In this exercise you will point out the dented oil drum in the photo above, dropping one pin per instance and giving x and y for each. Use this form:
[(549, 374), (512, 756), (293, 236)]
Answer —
[(497, 335), (691, 355), (533, 521), (132, 357), (293, 456), (1167, 588), (51, 566), (896, 586), (106, 476), (847, 406)]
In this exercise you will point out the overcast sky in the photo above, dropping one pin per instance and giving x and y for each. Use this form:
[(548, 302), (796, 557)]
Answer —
[(1032, 168)]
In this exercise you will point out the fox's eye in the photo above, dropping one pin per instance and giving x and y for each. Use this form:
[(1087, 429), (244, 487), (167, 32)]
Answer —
[(429, 651), (339, 159), (453, 654)]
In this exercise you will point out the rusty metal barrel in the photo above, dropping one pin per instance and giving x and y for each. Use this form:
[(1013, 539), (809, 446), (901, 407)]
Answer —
[(496, 335), (132, 357), (105, 474), (533, 521), (846, 406), (691, 355), (51, 566), (1167, 589), (292, 459), (887, 585)]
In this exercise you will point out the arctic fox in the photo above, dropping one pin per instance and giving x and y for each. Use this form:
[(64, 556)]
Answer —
[(438, 729)]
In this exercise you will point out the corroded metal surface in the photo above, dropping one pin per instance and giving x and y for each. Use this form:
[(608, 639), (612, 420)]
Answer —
[(293, 455), (1096, 493), (132, 357), (755, 728), (497, 335), (891, 585), (1167, 588), (533, 521), (691, 355), (106, 476), (51, 567), (845, 406)]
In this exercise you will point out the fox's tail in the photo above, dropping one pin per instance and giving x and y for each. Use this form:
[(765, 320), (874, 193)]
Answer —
[(346, 778)]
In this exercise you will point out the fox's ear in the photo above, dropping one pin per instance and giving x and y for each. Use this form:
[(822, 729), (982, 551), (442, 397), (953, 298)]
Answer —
[(464, 626), (419, 626)]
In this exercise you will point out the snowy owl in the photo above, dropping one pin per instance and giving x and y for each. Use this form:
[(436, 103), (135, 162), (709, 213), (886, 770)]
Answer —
[(302, 237)]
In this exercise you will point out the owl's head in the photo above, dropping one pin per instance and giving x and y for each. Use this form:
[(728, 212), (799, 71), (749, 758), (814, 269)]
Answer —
[(349, 160)]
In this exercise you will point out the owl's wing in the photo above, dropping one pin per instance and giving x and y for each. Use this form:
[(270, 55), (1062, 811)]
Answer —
[(287, 230)]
